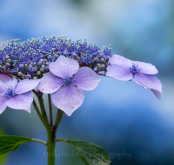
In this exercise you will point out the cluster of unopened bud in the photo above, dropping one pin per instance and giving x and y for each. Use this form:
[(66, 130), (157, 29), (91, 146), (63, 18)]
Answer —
[(31, 59)]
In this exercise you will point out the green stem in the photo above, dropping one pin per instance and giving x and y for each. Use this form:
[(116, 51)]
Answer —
[(50, 133), (51, 148), (51, 130), (50, 110), (57, 121), (38, 112), (44, 115), (40, 141)]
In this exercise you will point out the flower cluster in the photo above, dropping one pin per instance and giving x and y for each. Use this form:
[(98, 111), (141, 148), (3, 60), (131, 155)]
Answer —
[(31, 59), (64, 69)]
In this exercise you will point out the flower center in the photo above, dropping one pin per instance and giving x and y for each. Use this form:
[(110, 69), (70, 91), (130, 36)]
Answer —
[(67, 81), (9, 92), (134, 69)]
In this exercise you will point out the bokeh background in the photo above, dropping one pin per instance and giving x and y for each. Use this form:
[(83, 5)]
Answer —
[(128, 121)]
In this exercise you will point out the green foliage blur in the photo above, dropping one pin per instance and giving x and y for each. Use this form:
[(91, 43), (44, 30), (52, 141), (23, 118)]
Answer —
[(4, 156)]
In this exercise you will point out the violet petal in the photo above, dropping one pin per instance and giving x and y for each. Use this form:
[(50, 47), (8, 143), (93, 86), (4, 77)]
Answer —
[(50, 83), (86, 79), (121, 61), (22, 101), (3, 105), (68, 99), (26, 85), (147, 68), (118, 72), (149, 81), (64, 66)]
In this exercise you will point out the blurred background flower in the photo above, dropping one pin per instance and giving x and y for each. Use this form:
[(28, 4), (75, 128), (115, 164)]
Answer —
[(125, 119)]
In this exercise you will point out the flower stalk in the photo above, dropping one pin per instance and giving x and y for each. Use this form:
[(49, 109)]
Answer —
[(58, 119), (50, 110), (51, 130), (51, 147)]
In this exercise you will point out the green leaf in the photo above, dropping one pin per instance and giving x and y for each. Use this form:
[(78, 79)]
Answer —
[(11, 143), (4, 156), (89, 153)]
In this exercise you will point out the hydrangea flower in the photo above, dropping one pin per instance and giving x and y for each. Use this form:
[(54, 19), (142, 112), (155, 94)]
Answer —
[(16, 94), (66, 81), (141, 73), (4, 77)]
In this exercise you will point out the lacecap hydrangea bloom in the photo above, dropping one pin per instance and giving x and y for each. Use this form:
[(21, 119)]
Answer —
[(62, 69), (141, 73), (65, 68), (40, 59), (66, 81)]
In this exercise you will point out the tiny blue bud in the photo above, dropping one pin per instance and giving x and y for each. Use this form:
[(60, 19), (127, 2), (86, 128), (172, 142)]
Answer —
[(42, 69), (28, 76), (9, 60), (38, 73), (98, 66), (4, 67), (102, 66), (21, 66), (96, 59), (20, 74), (43, 66), (7, 57), (39, 63), (7, 65), (102, 60), (46, 68)]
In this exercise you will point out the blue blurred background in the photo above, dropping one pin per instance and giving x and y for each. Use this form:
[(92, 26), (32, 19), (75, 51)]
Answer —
[(122, 117)]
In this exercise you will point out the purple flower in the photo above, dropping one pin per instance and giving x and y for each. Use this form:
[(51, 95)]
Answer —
[(4, 77), (141, 73), (16, 94), (66, 81)]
